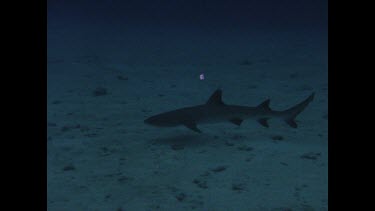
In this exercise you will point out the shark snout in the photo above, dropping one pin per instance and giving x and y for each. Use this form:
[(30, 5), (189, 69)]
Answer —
[(154, 121), (148, 121), (160, 121)]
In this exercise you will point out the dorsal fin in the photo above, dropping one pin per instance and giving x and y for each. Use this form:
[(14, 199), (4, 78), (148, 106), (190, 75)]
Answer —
[(265, 105), (215, 98)]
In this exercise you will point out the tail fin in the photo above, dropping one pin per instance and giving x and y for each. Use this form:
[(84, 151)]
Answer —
[(291, 113)]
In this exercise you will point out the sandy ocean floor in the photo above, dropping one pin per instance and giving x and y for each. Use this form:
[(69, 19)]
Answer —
[(101, 156)]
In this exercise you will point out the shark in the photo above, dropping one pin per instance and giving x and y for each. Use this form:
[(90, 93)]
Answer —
[(215, 110)]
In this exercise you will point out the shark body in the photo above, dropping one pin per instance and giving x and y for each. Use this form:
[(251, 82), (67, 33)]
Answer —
[(214, 110)]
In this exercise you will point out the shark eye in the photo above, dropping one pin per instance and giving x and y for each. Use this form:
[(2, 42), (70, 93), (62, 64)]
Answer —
[(201, 76)]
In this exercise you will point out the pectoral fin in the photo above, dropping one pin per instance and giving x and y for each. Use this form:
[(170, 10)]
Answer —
[(263, 122), (292, 123), (236, 121), (192, 126)]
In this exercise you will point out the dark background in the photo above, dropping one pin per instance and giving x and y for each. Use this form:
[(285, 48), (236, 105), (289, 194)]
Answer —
[(196, 13)]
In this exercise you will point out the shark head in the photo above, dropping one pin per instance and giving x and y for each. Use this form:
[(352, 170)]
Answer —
[(185, 116), (161, 120), (151, 121)]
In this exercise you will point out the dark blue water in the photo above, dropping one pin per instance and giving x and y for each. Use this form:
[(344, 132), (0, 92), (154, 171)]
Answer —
[(220, 13)]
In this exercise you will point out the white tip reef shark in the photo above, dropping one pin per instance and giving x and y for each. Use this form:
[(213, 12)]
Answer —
[(214, 110)]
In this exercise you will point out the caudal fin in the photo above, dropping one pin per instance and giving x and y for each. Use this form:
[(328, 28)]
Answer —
[(290, 114)]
